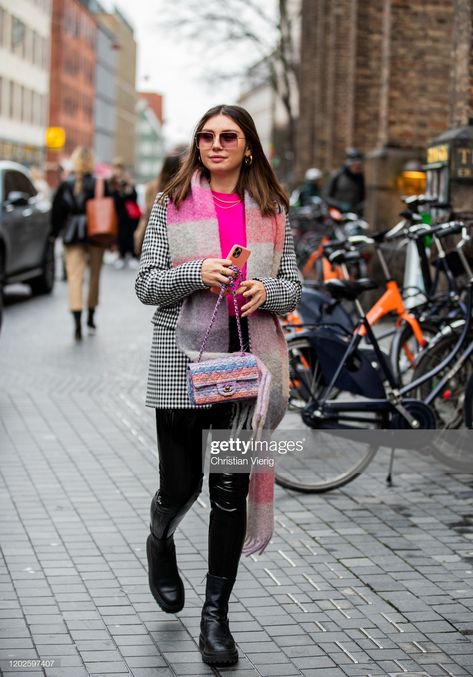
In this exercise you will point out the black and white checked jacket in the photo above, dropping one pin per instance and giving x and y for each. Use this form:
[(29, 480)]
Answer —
[(159, 284)]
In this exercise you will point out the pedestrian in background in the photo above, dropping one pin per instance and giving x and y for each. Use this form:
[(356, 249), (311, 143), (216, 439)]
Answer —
[(171, 164), (310, 189), (225, 193), (345, 189), (68, 218), (123, 191)]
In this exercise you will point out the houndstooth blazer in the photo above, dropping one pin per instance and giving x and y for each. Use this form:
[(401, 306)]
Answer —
[(159, 284)]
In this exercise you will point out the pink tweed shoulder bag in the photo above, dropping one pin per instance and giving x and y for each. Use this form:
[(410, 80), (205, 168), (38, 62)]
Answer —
[(224, 379)]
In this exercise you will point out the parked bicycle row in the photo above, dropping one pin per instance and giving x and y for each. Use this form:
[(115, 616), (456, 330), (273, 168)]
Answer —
[(417, 372)]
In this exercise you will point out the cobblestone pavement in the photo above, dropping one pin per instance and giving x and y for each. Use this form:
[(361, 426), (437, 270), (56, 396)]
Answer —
[(361, 581)]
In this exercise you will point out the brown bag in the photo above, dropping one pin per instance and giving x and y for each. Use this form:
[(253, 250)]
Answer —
[(102, 221)]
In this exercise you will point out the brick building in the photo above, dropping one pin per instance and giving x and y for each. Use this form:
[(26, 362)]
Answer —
[(386, 76), (72, 75), (125, 96)]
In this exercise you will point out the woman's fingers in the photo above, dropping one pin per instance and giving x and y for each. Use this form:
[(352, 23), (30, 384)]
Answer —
[(257, 293), (216, 271)]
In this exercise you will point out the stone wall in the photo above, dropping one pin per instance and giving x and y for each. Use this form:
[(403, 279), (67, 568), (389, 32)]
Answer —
[(386, 76)]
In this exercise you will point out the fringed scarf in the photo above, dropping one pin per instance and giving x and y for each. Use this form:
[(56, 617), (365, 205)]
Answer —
[(193, 233)]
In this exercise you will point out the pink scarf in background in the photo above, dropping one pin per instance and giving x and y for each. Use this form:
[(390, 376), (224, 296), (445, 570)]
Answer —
[(193, 233)]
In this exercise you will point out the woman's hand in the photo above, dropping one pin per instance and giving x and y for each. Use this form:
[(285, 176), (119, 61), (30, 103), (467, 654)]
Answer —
[(215, 272), (254, 289)]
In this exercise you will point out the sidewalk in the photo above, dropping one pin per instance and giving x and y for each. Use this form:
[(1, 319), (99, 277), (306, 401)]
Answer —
[(361, 581)]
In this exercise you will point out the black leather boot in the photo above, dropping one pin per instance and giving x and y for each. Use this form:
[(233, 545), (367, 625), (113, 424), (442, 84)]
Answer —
[(165, 583), (90, 321), (77, 325), (216, 643)]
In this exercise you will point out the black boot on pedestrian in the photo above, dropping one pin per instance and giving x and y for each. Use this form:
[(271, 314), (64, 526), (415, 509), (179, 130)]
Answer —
[(90, 321), (77, 325), (165, 583), (216, 643)]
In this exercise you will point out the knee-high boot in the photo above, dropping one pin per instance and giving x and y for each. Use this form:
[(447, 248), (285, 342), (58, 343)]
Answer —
[(165, 583)]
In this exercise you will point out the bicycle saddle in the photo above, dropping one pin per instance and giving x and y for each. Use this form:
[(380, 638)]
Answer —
[(343, 256), (350, 289)]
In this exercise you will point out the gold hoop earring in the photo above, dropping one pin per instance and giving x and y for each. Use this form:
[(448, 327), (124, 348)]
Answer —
[(248, 160)]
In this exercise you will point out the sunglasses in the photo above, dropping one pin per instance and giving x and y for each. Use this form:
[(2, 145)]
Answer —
[(225, 139)]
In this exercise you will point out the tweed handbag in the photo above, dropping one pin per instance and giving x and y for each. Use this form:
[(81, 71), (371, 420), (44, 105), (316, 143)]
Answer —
[(224, 379)]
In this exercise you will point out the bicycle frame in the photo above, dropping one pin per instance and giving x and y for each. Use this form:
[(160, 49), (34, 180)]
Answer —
[(392, 302), (383, 408), (329, 272)]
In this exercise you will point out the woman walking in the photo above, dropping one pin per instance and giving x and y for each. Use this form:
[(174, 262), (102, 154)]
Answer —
[(123, 191), (225, 193), (68, 216)]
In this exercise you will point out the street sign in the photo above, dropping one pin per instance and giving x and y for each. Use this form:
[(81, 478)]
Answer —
[(55, 138)]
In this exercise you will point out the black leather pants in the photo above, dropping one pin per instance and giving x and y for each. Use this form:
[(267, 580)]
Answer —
[(179, 434)]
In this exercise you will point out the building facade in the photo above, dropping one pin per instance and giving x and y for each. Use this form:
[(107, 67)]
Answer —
[(385, 76), (25, 32), (126, 97), (150, 139), (105, 87), (72, 77), (258, 99)]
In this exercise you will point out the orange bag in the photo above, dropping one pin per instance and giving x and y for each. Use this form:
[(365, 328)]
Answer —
[(102, 221)]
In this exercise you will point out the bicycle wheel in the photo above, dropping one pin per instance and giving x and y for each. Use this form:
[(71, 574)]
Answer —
[(329, 463), (405, 350), (305, 377), (469, 404), (449, 405)]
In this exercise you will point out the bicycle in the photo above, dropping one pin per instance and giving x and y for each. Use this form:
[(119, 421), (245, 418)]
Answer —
[(376, 400)]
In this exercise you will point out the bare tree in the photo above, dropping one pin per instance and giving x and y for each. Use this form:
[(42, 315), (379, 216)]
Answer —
[(253, 31)]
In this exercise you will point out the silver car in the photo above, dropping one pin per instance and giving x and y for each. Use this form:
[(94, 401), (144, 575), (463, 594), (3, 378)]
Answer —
[(26, 254)]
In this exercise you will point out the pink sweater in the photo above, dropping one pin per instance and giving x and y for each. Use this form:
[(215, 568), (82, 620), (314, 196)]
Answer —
[(231, 227)]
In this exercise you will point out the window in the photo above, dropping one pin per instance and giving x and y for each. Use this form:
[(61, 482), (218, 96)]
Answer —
[(26, 111), (44, 103), (11, 108), (28, 50), (2, 26), (37, 108), (18, 36), (16, 181)]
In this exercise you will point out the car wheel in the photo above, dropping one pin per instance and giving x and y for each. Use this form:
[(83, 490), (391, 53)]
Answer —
[(45, 282)]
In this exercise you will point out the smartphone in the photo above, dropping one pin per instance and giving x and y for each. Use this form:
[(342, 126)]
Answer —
[(238, 255)]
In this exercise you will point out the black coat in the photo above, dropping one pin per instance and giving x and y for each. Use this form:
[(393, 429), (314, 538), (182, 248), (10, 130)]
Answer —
[(346, 190), (67, 203)]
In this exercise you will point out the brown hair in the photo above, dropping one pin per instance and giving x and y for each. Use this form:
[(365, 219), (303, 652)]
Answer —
[(258, 178), (171, 165)]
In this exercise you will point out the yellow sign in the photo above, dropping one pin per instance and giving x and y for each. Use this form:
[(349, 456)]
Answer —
[(437, 154), (55, 138), (462, 162)]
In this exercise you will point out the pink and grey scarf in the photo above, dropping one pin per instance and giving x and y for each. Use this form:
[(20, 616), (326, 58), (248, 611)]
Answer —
[(193, 233)]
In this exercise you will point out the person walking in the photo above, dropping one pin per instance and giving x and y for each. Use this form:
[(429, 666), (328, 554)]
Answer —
[(225, 193), (123, 191), (68, 217), (345, 188)]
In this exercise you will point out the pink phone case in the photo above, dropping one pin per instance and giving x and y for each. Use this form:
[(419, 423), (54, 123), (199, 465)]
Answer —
[(239, 256)]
